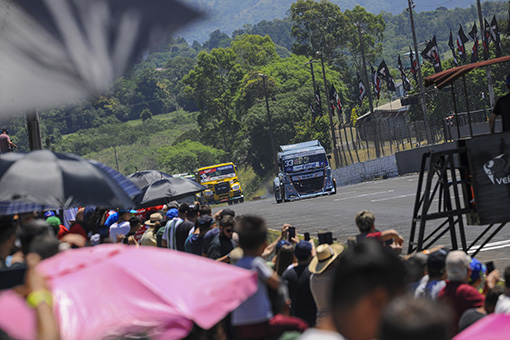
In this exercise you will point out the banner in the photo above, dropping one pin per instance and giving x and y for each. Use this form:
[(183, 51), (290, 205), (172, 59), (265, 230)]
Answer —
[(431, 54)]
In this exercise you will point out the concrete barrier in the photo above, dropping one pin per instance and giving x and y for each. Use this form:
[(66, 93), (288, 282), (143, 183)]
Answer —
[(360, 172), (409, 161)]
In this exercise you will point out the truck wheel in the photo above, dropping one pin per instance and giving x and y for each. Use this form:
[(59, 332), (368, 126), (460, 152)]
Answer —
[(334, 186), (229, 202), (241, 200)]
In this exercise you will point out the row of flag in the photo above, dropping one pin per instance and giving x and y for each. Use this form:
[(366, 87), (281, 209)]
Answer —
[(334, 102)]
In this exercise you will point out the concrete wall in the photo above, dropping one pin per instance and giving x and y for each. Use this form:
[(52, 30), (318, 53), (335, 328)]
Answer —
[(409, 161), (360, 172)]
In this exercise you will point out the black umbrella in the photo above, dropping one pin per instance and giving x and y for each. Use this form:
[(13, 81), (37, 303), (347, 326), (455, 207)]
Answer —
[(55, 51), (166, 190), (43, 179), (144, 178)]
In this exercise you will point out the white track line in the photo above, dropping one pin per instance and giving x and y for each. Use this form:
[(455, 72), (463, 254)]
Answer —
[(392, 198), (364, 195), (491, 246)]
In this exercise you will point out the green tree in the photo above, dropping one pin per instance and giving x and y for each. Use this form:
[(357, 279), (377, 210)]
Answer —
[(187, 157), (254, 50), (145, 115)]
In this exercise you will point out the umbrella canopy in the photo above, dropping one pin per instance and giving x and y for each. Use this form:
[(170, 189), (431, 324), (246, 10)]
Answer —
[(492, 327), (44, 179), (113, 290), (55, 51), (144, 178), (166, 190)]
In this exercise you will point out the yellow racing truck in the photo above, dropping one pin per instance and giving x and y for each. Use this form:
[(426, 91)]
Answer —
[(222, 184)]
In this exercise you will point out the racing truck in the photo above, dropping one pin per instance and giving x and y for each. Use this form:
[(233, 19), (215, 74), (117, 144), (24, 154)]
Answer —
[(222, 184), (304, 172)]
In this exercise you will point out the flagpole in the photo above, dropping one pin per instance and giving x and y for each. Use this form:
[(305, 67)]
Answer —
[(331, 123), (365, 75), (487, 68), (420, 78), (313, 74)]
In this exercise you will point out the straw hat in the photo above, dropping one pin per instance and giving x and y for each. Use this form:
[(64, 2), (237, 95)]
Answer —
[(326, 255), (153, 219)]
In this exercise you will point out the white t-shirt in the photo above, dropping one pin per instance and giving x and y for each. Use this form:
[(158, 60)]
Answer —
[(119, 229), (318, 334), (503, 305)]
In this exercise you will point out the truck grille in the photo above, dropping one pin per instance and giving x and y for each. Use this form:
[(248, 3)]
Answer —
[(222, 188), (308, 186)]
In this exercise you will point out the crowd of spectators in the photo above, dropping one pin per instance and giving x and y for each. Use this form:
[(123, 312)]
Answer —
[(361, 291)]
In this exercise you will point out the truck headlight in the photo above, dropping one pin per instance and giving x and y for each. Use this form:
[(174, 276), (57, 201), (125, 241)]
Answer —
[(236, 187), (208, 193)]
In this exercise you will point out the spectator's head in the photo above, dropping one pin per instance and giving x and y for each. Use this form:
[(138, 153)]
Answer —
[(45, 246), (506, 276), (225, 212), (280, 244), (183, 210), (303, 252), (436, 264), (407, 318), (31, 230), (134, 223), (491, 299), (227, 224), (172, 213), (326, 257), (7, 236), (366, 278), (5, 131), (252, 233), (124, 215), (156, 217), (55, 223), (192, 213), (204, 223), (416, 267), (457, 266), (365, 221), (49, 214), (284, 259), (205, 210), (478, 270)]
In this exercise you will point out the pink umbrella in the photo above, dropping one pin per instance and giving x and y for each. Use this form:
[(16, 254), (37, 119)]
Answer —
[(492, 327), (113, 290)]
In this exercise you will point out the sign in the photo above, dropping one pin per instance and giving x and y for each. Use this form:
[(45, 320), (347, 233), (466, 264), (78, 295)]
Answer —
[(489, 161)]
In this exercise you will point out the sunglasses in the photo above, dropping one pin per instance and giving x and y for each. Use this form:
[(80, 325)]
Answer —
[(228, 231)]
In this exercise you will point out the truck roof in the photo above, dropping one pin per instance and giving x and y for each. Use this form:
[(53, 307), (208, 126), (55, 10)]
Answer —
[(215, 166), (290, 149)]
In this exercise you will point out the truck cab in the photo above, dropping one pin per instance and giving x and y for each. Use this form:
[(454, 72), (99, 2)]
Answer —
[(304, 172), (222, 184)]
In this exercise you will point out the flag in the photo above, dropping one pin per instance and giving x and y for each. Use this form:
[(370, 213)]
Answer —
[(377, 82), (461, 43), (495, 36), (334, 99), (362, 90), (318, 101), (384, 74), (414, 64), (431, 54), (405, 82), (486, 40), (474, 51), (452, 48)]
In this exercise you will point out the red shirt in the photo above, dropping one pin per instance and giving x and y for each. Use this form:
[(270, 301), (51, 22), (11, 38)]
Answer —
[(461, 297)]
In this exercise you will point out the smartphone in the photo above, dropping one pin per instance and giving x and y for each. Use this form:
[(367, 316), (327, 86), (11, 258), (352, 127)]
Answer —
[(307, 236), (490, 267), (292, 232), (325, 237), (10, 278)]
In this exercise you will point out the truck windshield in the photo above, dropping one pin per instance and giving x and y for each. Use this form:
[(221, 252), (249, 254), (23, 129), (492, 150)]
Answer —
[(305, 162), (216, 174)]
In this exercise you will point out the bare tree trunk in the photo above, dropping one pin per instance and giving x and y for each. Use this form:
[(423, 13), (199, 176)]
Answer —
[(347, 145), (354, 143)]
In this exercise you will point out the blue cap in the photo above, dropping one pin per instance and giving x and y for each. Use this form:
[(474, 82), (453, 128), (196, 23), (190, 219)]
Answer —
[(123, 211), (477, 270), (303, 250), (49, 214), (281, 243), (172, 213)]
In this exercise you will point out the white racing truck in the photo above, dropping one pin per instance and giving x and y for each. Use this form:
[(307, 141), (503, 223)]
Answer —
[(304, 172)]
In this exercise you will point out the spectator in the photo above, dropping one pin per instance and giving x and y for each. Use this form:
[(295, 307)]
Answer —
[(366, 278), (407, 318), (478, 280), (253, 319), (7, 239), (457, 293), (436, 268), (134, 224), (6, 144), (203, 210), (195, 242), (169, 216), (222, 244), (119, 229), (472, 315), (59, 229), (284, 258), (169, 237), (215, 230), (322, 269), (149, 237), (182, 230), (416, 267), (365, 221), (503, 306), (297, 280)]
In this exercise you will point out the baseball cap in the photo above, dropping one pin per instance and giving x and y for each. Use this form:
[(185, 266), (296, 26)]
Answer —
[(477, 270), (172, 213), (437, 259), (281, 243), (49, 214), (303, 250), (123, 211), (53, 221), (204, 222)]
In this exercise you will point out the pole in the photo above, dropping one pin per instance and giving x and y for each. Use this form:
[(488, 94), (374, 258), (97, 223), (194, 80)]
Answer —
[(369, 91), (117, 159), (331, 123), (313, 75), (456, 112), (467, 105), (487, 68), (34, 130), (420, 78), (269, 121)]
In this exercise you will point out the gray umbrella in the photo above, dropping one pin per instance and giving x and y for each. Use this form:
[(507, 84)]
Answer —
[(166, 190), (52, 180), (146, 177)]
